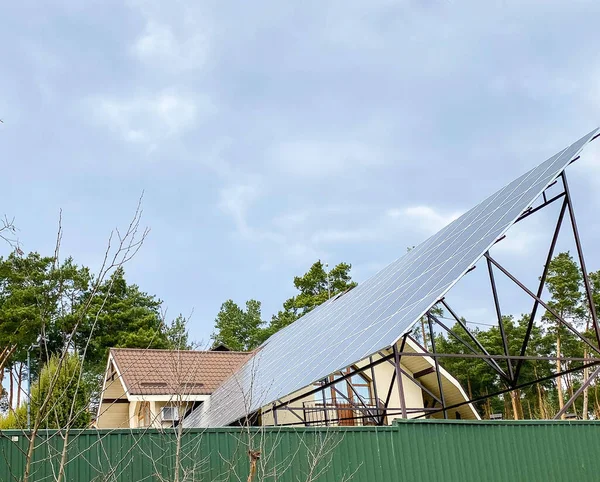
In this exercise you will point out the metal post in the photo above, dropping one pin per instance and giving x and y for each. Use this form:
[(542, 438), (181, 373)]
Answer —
[(29, 389), (343, 377), (500, 322), (374, 388), (576, 394), (437, 366), (325, 416), (399, 381), (541, 286), (586, 281), (274, 414), (415, 381)]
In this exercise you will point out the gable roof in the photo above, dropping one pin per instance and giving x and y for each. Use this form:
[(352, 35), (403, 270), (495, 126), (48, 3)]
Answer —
[(175, 372)]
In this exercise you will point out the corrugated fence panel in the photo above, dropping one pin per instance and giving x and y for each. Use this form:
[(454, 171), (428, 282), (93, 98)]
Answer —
[(411, 450)]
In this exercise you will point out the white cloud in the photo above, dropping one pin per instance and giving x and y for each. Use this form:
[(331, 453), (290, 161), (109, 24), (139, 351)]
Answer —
[(160, 47), (320, 159), (173, 39), (151, 119), (423, 218), (336, 236)]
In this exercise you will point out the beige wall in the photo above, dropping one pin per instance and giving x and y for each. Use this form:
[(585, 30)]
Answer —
[(114, 389), (113, 415), (383, 376), (384, 372)]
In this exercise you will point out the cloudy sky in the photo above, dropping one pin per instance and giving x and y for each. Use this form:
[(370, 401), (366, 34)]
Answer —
[(266, 135)]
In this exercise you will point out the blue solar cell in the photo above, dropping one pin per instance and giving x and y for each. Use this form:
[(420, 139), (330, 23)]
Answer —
[(378, 312)]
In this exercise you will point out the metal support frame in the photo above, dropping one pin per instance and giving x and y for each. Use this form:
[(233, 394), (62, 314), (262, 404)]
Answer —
[(522, 385), (499, 316), (399, 378), (474, 339), (437, 366), (375, 394), (490, 361), (512, 375), (576, 394), (545, 305), (586, 281), (412, 378), (541, 285)]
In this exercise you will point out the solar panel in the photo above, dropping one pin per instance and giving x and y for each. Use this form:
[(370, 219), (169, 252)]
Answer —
[(379, 311)]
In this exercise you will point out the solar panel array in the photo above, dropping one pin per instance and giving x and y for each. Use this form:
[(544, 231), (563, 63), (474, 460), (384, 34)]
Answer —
[(379, 311)]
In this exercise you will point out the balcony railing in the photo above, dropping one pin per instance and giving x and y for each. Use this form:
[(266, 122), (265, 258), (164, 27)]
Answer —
[(344, 413)]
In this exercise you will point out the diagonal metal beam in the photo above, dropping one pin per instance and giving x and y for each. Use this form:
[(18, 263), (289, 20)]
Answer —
[(576, 394), (540, 289), (522, 385), (490, 361), (541, 206), (545, 305), (586, 280), (413, 379), (474, 339), (343, 377), (500, 321)]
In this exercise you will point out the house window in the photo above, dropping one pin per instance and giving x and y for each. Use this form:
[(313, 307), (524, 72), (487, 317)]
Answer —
[(169, 413), (356, 388)]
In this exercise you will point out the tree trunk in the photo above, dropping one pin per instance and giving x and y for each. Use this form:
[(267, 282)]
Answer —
[(561, 401), (19, 383), (572, 393), (542, 409), (513, 401), (469, 388), (424, 334), (11, 388)]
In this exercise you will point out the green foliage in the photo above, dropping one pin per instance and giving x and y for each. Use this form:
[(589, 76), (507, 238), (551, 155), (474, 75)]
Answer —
[(177, 335), (25, 299), (14, 419), (59, 397), (315, 287), (239, 329), (119, 315), (564, 284), (40, 297)]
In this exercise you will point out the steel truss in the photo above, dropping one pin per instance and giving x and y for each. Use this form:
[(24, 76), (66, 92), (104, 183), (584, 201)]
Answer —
[(376, 413)]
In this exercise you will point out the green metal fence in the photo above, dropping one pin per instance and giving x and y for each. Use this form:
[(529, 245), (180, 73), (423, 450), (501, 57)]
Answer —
[(409, 451)]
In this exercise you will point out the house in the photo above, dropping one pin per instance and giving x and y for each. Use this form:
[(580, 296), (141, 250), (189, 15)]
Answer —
[(155, 388)]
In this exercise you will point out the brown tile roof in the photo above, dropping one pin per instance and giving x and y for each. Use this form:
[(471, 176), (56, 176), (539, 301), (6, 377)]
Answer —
[(173, 372)]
